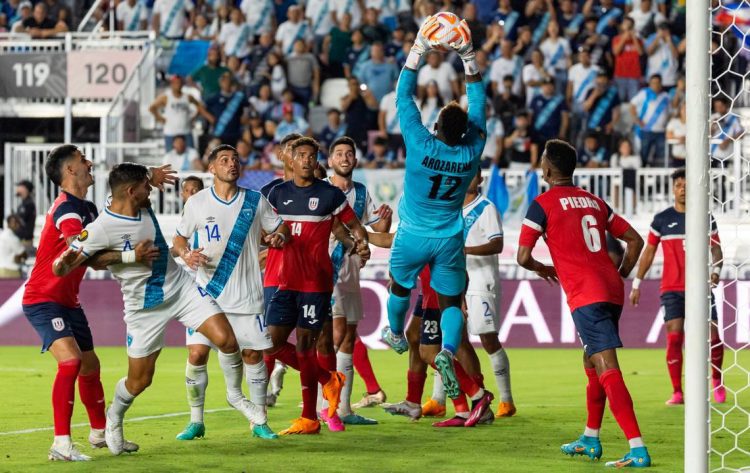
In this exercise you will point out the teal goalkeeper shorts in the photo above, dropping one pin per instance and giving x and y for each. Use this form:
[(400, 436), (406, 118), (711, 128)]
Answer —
[(410, 253)]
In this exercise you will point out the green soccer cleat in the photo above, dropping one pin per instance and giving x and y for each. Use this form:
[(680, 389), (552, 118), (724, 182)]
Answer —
[(397, 342), (356, 419), (589, 446), (444, 364), (264, 432), (636, 458), (193, 431)]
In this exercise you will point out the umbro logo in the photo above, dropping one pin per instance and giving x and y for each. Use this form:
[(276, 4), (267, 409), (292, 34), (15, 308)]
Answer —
[(672, 225), (287, 202)]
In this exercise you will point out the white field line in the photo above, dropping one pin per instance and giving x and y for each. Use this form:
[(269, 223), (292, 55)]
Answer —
[(134, 419)]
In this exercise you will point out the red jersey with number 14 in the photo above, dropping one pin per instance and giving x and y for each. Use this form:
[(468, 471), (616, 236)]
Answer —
[(573, 223)]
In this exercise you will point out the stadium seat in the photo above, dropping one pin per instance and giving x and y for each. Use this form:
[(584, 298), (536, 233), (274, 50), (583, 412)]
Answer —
[(318, 119), (332, 91)]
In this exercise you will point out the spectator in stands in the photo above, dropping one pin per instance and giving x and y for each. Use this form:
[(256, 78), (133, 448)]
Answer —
[(190, 186), (508, 104), (508, 19), (318, 14), (549, 114), (26, 211), (257, 62), (379, 76), (388, 124), (182, 157), (356, 55), (260, 15), (132, 15), (290, 123), (259, 133), (602, 106), (207, 76), (350, 7), (303, 74), (627, 49), (626, 157), (170, 18), (557, 53), (54, 13), (676, 137), (372, 29), (264, 102), (442, 73), (40, 26), (22, 13), (431, 105), (521, 151), (581, 80), (491, 45), (3, 23), (380, 156), (571, 21), (12, 251), (533, 74), (478, 29), (663, 57), (645, 19), (483, 66), (650, 111), (296, 27), (249, 159), (177, 116), (276, 75), (333, 130), (493, 147), (200, 29), (235, 36), (221, 18), (726, 129), (601, 50), (228, 107), (336, 46), (394, 48), (239, 71), (10, 8), (360, 107), (508, 64), (524, 44), (286, 98), (593, 154), (678, 95)]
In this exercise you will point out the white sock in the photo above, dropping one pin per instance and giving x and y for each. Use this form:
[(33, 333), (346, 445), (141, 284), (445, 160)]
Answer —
[(231, 365), (62, 441), (196, 381), (256, 377), (345, 365), (438, 392), (463, 415), (636, 442), (477, 395), (589, 432), (501, 368), (121, 402)]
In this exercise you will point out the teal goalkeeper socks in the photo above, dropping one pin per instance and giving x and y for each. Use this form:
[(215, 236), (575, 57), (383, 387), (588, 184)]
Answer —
[(452, 324), (397, 309)]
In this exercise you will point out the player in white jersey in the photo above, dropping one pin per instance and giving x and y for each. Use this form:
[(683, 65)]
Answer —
[(229, 222), (153, 296), (347, 307)]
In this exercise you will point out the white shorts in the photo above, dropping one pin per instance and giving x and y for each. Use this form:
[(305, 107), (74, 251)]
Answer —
[(250, 331), (347, 304), (146, 328), (484, 315)]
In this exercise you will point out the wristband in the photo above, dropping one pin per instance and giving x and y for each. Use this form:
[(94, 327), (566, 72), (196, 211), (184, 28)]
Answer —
[(636, 283), (128, 256), (412, 60), (471, 68), (283, 237)]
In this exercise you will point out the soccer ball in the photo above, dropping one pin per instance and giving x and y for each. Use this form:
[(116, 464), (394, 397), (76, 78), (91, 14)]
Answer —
[(447, 33)]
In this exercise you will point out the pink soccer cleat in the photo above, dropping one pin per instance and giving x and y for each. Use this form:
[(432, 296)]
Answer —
[(334, 422), (720, 392), (452, 422), (675, 400)]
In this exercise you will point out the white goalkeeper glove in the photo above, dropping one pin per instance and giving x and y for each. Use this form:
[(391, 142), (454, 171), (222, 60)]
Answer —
[(421, 43), (465, 49)]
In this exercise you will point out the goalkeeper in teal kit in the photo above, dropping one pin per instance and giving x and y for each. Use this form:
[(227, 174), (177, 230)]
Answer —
[(439, 168)]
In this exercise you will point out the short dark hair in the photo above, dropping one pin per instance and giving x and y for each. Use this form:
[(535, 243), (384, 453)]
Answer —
[(198, 181), (126, 174), (290, 137), (678, 174), (55, 160), (655, 76), (508, 77), (342, 140), (562, 156), (218, 149), (306, 141), (452, 123)]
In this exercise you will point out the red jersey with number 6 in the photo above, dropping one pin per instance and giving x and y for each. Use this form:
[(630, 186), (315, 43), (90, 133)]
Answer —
[(573, 223)]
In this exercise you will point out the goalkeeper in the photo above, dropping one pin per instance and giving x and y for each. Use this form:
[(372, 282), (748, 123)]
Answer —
[(439, 169)]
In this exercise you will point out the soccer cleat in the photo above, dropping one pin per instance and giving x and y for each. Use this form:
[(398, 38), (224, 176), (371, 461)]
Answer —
[(370, 400), (113, 435), (67, 453), (505, 409), (432, 408), (194, 430), (675, 400), (636, 458), (444, 365), (488, 418), (275, 383), (332, 391), (302, 426), (480, 407), (589, 446), (96, 440), (333, 422), (405, 408), (452, 422), (356, 419), (263, 431), (720, 392), (397, 342), (256, 415)]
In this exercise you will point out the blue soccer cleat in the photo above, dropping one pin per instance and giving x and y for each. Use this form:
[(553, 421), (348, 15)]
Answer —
[(263, 431), (397, 342), (193, 430), (589, 446), (637, 458), (444, 365), (356, 419)]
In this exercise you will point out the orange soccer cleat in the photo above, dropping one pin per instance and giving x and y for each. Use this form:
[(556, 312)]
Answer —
[(432, 408), (332, 391), (505, 409), (302, 426)]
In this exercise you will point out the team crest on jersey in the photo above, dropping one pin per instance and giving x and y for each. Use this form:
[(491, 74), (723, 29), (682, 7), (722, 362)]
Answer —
[(83, 235), (58, 323), (312, 204)]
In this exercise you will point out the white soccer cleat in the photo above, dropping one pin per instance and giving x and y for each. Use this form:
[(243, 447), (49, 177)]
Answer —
[(67, 453), (404, 408), (97, 440), (113, 435), (370, 400), (256, 415), (275, 383)]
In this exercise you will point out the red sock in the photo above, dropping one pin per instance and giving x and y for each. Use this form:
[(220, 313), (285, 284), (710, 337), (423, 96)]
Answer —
[(92, 396), (460, 405), (467, 384), (327, 361), (308, 376), (620, 402), (596, 399), (64, 395), (674, 359), (479, 379), (287, 354), (363, 366), (415, 386), (717, 358)]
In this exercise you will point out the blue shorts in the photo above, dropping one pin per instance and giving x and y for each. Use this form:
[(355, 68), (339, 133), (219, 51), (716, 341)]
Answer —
[(431, 333), (268, 293), (410, 253), (598, 326), (304, 309), (674, 306), (53, 321)]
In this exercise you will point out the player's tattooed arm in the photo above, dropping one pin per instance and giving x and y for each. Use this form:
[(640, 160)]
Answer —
[(633, 249), (527, 261), (192, 258), (492, 247), (647, 258)]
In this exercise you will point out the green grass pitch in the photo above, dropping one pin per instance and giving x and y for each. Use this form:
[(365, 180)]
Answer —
[(548, 386)]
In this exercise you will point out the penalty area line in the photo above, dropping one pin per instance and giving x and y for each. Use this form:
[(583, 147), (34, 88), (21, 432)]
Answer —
[(134, 419)]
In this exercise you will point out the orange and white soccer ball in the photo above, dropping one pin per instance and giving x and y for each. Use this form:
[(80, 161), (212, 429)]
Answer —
[(445, 30)]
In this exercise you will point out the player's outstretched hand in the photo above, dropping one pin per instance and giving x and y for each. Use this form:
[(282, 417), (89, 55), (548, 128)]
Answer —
[(275, 240), (194, 258), (384, 212), (146, 252), (421, 43), (464, 46), (548, 273), (363, 250), (635, 296), (61, 265), (161, 175)]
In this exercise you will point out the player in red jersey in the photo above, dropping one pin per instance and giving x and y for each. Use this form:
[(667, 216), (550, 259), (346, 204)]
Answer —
[(573, 223), (668, 227), (308, 206), (51, 304)]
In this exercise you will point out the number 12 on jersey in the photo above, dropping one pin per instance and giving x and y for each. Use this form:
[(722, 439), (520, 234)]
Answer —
[(437, 181)]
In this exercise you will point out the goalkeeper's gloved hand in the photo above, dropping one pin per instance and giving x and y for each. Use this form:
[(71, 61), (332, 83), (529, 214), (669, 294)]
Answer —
[(463, 45), (421, 42)]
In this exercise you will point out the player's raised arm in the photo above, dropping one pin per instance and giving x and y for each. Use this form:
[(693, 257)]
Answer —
[(410, 118), (475, 89)]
